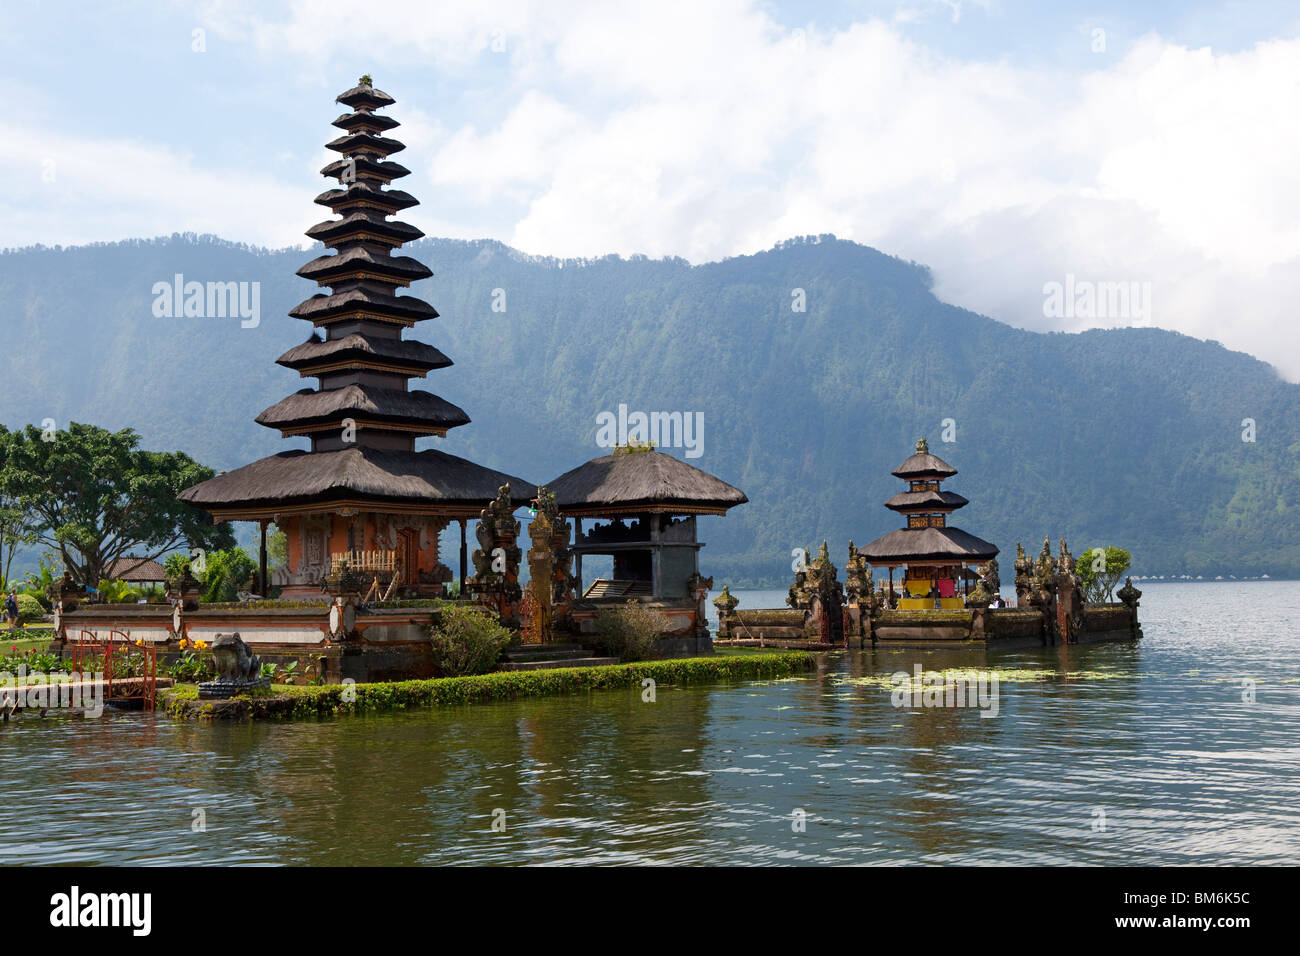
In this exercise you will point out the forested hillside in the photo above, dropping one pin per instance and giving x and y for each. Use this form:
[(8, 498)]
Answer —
[(1128, 437)]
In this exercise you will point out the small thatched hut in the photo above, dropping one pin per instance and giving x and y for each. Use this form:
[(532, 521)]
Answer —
[(651, 500)]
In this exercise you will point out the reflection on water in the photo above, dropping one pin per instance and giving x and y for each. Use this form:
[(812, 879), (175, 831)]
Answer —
[(1155, 736)]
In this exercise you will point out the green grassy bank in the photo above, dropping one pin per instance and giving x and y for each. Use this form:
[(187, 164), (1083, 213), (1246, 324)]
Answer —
[(291, 702)]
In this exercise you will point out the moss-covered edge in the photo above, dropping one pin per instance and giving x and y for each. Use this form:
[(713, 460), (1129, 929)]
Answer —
[(295, 703)]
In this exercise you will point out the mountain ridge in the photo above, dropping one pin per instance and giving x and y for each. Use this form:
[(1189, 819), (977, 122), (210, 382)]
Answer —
[(1108, 436)]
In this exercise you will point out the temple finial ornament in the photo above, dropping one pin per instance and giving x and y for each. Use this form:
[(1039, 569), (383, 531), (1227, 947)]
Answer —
[(922, 446), (365, 80)]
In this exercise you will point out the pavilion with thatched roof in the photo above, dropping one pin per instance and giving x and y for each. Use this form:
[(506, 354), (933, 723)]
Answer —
[(362, 494), (935, 554), (650, 501)]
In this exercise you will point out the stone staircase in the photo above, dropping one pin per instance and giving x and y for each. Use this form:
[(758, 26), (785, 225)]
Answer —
[(534, 657)]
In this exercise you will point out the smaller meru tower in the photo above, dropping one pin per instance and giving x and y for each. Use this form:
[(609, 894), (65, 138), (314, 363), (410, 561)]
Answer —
[(935, 554), (362, 493)]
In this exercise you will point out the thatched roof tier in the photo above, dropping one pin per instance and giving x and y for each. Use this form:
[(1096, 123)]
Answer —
[(365, 168), (416, 411), (363, 225), (366, 195), (431, 481), (361, 303), (363, 263), (926, 501), (911, 545), (924, 465), (366, 143), (363, 96), (642, 481), (363, 351), (363, 370), (365, 120)]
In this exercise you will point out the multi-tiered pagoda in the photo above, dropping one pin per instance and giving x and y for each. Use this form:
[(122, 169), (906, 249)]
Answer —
[(362, 494), (935, 554)]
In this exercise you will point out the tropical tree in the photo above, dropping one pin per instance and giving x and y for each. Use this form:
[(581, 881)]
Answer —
[(176, 564), (224, 574), (94, 497), (1100, 569), (39, 583), (118, 592), (17, 523), (277, 549)]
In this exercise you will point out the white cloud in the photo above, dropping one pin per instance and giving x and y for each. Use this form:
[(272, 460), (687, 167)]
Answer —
[(709, 130), (97, 189)]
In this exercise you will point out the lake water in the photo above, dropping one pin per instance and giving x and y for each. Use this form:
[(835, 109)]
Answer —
[(1122, 753)]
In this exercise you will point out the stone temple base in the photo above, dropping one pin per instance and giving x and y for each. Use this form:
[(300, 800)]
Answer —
[(225, 689), (378, 644)]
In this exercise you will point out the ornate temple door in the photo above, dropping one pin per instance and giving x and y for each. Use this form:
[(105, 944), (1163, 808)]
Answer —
[(408, 552)]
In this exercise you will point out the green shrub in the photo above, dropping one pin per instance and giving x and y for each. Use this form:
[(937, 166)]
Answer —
[(35, 662), (629, 632), (29, 609), (191, 667), (1100, 570), (467, 640), (118, 592)]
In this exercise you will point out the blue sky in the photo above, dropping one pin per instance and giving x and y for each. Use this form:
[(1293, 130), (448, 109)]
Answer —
[(994, 142)]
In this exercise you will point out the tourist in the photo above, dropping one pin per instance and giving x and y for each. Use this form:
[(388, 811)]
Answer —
[(11, 607)]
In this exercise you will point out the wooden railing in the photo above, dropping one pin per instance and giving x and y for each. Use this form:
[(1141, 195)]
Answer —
[(362, 561)]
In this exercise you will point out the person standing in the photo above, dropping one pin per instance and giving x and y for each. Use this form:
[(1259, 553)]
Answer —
[(11, 607)]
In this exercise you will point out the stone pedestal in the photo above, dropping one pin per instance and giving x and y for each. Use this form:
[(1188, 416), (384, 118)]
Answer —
[(238, 670)]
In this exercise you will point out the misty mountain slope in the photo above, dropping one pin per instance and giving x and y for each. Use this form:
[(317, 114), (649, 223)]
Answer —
[(1127, 436)]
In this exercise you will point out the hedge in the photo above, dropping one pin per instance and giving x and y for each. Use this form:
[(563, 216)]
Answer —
[(291, 702)]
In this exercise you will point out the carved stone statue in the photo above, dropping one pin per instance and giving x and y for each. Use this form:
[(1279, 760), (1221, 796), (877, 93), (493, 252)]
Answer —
[(239, 670), (990, 575), (343, 582), (817, 589), (541, 569), (1023, 568), (986, 589), (857, 577), (882, 600), (496, 562), (1129, 595), (1042, 593), (1069, 596), (563, 581), (1066, 560)]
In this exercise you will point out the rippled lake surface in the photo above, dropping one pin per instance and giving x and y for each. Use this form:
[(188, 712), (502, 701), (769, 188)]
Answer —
[(1105, 754)]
